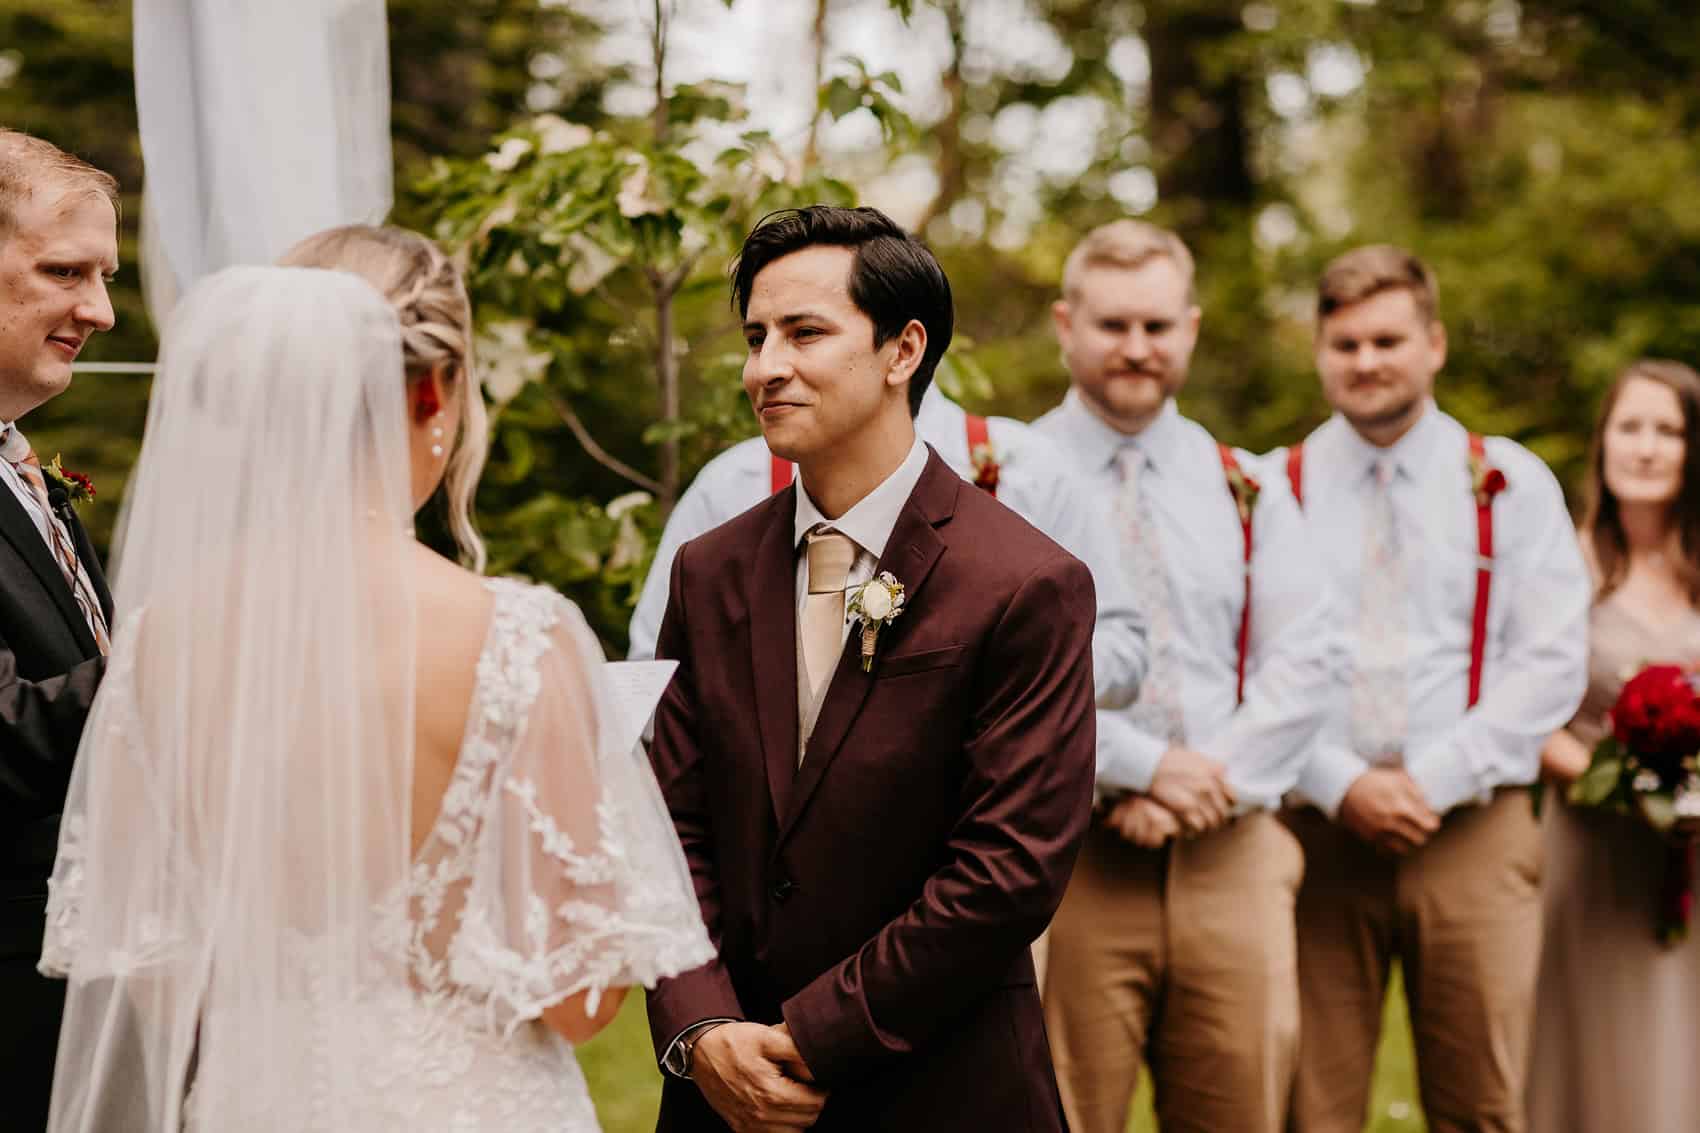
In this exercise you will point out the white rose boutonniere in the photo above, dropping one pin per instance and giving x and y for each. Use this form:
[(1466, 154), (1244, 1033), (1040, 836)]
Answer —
[(876, 603)]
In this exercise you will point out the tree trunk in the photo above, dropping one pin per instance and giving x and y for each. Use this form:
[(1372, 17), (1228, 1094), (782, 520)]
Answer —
[(811, 149), (1198, 128), (949, 165)]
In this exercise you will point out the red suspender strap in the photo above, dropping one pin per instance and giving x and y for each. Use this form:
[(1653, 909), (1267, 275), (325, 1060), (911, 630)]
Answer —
[(1231, 467), (979, 435), (1484, 572), (1296, 472), (779, 474)]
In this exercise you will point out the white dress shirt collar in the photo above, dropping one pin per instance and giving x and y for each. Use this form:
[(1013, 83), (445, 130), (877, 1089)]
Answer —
[(1098, 442), (870, 520), (1410, 453)]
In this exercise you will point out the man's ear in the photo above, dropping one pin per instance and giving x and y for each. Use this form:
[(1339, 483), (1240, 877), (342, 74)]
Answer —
[(1062, 319), (911, 343), (1437, 343)]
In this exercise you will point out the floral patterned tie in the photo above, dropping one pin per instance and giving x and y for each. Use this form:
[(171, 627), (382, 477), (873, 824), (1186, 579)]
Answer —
[(1158, 710), (1380, 699)]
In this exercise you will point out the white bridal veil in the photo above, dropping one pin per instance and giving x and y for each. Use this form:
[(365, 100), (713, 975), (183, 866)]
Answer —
[(240, 802)]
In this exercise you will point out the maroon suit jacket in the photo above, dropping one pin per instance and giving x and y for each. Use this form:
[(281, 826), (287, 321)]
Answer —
[(881, 898)]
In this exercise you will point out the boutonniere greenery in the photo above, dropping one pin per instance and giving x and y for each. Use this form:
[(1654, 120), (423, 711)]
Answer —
[(1245, 490), (76, 486), (987, 467), (1485, 480), (876, 604)]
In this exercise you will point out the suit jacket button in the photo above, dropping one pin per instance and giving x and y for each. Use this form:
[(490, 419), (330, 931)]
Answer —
[(782, 889)]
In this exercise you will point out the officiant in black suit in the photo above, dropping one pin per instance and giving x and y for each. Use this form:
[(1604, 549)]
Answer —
[(58, 248)]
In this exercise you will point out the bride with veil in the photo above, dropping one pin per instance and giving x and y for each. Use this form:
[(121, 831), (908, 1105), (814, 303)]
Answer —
[(348, 846)]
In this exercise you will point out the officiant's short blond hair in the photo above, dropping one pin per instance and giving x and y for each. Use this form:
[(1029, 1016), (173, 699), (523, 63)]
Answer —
[(1126, 244), (29, 165)]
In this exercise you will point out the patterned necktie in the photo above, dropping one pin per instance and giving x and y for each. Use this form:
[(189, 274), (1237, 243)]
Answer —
[(1380, 699), (830, 555), (1157, 710), (28, 468)]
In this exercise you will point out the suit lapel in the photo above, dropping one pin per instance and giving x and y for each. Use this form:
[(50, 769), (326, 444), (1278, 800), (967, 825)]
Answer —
[(21, 532), (910, 553), (773, 647)]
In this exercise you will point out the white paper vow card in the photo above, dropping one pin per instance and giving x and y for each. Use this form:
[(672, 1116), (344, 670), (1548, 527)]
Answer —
[(635, 688)]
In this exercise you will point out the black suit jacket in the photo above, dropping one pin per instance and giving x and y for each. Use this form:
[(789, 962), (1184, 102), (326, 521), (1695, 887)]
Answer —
[(881, 898), (49, 669)]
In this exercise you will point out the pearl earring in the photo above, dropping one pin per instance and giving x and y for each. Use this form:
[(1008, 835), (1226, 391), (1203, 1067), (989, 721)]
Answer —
[(437, 437)]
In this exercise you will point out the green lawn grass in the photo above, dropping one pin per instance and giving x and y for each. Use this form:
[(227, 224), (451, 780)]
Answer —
[(621, 1068)]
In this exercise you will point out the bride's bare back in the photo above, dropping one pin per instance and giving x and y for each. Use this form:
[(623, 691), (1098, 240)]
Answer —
[(454, 609)]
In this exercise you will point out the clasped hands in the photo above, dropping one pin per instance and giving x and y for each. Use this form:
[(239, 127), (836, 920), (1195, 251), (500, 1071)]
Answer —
[(755, 1078), (1385, 807), (1189, 794)]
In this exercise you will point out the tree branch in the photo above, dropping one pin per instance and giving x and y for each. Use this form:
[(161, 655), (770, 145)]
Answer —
[(597, 453)]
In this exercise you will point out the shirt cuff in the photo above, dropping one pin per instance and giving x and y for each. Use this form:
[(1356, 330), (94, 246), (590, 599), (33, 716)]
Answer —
[(674, 1062), (1127, 757), (1444, 776), (1328, 775)]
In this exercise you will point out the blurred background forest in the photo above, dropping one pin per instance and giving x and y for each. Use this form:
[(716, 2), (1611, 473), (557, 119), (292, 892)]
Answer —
[(1541, 154), (597, 162)]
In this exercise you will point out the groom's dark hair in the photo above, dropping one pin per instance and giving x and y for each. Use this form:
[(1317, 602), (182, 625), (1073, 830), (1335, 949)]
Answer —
[(893, 278)]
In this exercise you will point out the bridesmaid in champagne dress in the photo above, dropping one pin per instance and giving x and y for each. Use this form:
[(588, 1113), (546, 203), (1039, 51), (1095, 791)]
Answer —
[(1617, 1026)]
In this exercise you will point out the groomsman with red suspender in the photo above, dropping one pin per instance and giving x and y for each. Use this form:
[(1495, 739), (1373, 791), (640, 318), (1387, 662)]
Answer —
[(1178, 952), (1006, 458), (1466, 602)]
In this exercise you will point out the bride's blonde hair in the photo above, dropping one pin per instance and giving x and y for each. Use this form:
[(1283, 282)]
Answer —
[(430, 300)]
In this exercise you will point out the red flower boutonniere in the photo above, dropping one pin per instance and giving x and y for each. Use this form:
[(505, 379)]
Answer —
[(1485, 480), (1245, 490), (987, 467), (75, 484)]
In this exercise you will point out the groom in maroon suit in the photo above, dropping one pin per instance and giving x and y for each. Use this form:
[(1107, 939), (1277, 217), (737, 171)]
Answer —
[(881, 818)]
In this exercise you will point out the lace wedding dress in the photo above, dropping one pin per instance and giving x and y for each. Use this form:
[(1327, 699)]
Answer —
[(551, 869)]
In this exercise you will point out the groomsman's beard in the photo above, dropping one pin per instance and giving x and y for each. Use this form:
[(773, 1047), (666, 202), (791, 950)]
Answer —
[(1127, 419), (1384, 426)]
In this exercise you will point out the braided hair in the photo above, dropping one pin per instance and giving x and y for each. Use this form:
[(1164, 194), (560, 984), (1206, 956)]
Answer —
[(429, 296)]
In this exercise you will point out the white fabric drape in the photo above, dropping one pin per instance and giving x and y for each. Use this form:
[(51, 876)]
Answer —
[(261, 123)]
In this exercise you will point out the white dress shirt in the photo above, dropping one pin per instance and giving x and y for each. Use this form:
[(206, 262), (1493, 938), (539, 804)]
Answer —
[(1296, 661), (868, 524), (1035, 481), (1536, 659)]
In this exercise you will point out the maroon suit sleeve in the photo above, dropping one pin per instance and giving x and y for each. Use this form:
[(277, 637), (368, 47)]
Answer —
[(705, 992), (1025, 803)]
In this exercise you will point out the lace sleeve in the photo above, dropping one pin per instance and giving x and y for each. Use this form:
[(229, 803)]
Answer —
[(577, 882)]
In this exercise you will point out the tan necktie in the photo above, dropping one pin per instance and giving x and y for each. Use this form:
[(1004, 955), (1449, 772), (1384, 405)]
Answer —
[(831, 554), (28, 468)]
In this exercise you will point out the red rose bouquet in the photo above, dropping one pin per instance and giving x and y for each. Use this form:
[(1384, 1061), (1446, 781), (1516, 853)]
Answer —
[(1650, 766)]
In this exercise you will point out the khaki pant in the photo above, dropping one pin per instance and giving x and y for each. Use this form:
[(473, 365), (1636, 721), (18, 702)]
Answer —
[(1182, 958), (1463, 915)]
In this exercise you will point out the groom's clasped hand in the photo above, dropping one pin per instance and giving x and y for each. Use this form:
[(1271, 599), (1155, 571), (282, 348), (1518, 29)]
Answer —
[(754, 1077)]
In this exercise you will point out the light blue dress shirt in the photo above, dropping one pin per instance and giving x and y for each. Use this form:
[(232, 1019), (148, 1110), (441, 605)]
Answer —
[(1297, 656), (1536, 666)]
